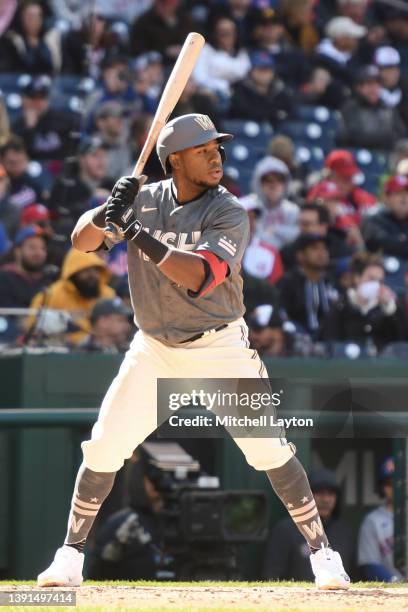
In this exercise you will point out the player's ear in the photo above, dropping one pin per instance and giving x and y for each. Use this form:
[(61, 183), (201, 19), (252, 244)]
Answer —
[(174, 161)]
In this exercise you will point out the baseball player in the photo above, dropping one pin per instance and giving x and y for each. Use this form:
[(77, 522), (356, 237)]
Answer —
[(186, 237)]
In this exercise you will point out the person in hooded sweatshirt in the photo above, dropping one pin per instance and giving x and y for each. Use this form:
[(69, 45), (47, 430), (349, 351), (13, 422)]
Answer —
[(83, 282), (278, 222), (286, 556)]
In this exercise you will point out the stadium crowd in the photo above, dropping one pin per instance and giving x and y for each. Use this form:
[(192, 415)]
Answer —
[(316, 94)]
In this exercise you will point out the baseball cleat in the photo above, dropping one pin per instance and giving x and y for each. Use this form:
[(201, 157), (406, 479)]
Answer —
[(65, 570), (328, 570)]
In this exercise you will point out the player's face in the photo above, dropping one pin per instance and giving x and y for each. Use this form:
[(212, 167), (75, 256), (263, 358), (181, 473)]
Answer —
[(202, 165)]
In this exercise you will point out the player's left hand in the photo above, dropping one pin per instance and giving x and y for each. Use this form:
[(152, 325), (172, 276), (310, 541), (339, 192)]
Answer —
[(123, 196)]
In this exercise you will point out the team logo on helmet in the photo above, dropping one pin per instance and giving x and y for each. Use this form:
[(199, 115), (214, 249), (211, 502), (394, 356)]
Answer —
[(204, 122)]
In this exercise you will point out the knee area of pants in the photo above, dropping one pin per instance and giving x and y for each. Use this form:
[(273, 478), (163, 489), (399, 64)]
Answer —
[(98, 457), (278, 457)]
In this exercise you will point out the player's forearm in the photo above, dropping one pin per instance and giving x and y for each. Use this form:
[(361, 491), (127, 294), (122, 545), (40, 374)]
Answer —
[(87, 236), (185, 269)]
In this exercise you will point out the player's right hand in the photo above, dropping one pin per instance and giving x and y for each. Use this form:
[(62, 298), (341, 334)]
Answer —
[(123, 196)]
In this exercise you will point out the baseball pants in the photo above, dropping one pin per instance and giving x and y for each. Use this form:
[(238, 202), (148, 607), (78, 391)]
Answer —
[(128, 414)]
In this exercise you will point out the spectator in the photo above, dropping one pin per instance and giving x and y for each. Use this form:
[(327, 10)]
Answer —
[(195, 99), (305, 292), (262, 96), (366, 120), (353, 9), (315, 219), (73, 191), (342, 241), (337, 53), (110, 328), (221, 62), (261, 260), (72, 12), (298, 17), (4, 122), (268, 34), (115, 86), (367, 313), (341, 169), (240, 12), (149, 79), (9, 214), (46, 132), (7, 11), (283, 148), (23, 189), (376, 537), (394, 89), (112, 130), (162, 28), (30, 48), (287, 557), (322, 89), (38, 215), (82, 283), (396, 25), (278, 224), (139, 129), (86, 48), (267, 333), (21, 279), (387, 230)]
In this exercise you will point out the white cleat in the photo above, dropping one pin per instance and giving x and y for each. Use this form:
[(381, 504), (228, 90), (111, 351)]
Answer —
[(65, 570), (328, 570)]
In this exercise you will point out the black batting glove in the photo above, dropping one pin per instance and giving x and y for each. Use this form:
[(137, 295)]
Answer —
[(123, 196)]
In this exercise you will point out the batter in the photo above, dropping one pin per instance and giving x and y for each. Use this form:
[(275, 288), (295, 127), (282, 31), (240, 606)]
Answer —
[(186, 238)]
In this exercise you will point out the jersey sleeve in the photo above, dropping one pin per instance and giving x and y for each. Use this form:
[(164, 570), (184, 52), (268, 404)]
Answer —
[(226, 234)]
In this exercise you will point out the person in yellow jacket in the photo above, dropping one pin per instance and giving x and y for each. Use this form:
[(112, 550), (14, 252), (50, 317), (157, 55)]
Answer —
[(83, 281)]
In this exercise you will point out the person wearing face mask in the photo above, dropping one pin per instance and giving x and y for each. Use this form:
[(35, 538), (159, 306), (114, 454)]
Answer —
[(82, 283), (368, 311)]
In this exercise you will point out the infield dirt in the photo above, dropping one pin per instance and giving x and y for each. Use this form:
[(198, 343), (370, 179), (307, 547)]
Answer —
[(224, 598)]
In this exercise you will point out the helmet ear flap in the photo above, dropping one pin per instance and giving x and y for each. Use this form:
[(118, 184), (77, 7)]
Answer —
[(222, 153)]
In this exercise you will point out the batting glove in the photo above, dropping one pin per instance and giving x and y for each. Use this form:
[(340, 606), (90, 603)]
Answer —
[(123, 196)]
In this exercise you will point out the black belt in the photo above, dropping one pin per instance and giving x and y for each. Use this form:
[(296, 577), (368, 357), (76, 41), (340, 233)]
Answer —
[(210, 331)]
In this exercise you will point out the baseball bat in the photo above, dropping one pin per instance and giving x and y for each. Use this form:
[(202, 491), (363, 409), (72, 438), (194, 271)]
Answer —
[(174, 87)]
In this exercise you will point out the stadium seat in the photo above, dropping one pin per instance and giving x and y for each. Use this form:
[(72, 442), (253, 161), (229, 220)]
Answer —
[(319, 114), (311, 157), (41, 173), (373, 165), (253, 134), (395, 274), (349, 350), (308, 134)]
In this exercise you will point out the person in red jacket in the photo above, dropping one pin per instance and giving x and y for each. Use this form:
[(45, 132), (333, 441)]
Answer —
[(341, 169)]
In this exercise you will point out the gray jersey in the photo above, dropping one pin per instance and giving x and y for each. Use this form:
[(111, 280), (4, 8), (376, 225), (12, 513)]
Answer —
[(214, 222)]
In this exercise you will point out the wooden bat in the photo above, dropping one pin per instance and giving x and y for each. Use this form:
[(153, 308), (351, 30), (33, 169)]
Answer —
[(174, 87)]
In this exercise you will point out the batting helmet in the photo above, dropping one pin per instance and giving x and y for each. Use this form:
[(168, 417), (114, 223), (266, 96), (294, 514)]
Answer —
[(184, 132)]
